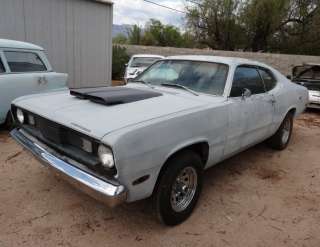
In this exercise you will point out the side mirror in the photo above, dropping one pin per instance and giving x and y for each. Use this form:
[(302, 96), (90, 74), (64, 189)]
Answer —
[(289, 77), (126, 65), (246, 93)]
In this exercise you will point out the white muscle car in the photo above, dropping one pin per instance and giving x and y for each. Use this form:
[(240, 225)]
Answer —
[(156, 135)]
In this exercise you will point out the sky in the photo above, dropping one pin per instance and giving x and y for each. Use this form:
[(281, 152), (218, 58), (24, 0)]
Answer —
[(139, 12)]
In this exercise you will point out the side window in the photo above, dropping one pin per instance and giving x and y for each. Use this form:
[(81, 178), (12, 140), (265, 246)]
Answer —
[(246, 77), (268, 78), (2, 69), (24, 61)]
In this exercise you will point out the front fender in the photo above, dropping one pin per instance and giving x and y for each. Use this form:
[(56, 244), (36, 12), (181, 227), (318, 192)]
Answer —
[(143, 149)]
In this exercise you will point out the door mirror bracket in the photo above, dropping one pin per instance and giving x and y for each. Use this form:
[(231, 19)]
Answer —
[(246, 93)]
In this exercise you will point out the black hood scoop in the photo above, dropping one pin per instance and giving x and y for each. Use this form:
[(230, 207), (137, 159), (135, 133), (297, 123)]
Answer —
[(113, 95)]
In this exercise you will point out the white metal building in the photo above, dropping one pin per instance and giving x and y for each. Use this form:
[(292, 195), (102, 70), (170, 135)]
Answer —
[(77, 35)]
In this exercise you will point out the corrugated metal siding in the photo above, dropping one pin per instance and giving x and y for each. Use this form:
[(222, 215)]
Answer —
[(75, 33)]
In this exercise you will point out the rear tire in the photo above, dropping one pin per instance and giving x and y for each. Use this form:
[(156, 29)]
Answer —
[(282, 137), (178, 188)]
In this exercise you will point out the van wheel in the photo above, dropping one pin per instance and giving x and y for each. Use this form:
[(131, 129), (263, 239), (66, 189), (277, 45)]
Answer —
[(178, 188), (281, 138)]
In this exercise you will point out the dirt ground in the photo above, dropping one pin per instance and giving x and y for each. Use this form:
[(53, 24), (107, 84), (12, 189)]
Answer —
[(258, 198)]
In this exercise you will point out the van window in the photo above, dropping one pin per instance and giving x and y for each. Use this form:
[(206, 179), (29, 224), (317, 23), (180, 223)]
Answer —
[(2, 69), (24, 61)]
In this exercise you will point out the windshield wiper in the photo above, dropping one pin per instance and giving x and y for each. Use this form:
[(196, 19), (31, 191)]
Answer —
[(179, 86), (144, 83)]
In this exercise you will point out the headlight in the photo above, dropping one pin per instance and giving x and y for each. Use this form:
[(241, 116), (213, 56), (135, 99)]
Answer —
[(86, 145), (20, 116), (106, 157)]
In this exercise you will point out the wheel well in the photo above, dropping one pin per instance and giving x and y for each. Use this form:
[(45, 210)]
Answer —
[(201, 148), (293, 111)]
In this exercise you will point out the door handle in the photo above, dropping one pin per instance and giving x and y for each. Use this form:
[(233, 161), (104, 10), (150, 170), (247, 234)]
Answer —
[(42, 80)]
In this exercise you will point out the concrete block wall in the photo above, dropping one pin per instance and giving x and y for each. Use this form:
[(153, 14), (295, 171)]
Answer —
[(282, 62)]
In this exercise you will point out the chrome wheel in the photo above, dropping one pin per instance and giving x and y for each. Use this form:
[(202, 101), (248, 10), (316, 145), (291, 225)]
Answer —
[(184, 189), (286, 131)]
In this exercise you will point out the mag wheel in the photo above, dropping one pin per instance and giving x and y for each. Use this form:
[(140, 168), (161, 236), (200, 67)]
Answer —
[(179, 188), (281, 138)]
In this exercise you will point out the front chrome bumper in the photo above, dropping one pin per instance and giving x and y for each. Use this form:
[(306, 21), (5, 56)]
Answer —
[(99, 189)]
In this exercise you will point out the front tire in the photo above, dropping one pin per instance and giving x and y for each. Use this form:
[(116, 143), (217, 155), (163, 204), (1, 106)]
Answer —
[(178, 188), (282, 137), (9, 122)]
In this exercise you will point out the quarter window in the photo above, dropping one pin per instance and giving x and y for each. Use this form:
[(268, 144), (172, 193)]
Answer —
[(24, 62), (268, 79), (246, 77), (2, 69)]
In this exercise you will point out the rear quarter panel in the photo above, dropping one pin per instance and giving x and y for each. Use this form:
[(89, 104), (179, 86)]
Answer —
[(288, 96)]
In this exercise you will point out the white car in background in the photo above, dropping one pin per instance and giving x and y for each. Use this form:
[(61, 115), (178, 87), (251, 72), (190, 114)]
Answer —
[(24, 69), (138, 63), (308, 75)]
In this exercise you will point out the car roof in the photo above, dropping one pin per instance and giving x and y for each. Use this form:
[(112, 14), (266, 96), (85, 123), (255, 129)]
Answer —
[(218, 59), (7, 43), (147, 55)]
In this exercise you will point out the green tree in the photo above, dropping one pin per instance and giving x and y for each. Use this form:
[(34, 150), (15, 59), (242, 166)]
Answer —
[(290, 26), (149, 40), (299, 33), (158, 34), (135, 35), (216, 23), (261, 20), (155, 27), (120, 39), (171, 36), (119, 59)]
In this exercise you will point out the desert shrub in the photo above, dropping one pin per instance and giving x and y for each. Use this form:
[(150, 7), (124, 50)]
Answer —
[(119, 60)]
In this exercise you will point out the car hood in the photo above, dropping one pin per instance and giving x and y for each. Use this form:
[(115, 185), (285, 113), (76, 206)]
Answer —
[(98, 120)]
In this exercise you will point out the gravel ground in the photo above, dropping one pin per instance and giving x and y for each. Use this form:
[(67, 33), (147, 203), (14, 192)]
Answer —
[(258, 198)]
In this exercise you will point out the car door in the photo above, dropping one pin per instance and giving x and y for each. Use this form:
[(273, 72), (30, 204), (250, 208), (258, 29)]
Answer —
[(250, 110), (270, 82)]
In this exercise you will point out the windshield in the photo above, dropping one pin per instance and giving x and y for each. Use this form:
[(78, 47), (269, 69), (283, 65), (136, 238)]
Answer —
[(143, 61), (204, 77)]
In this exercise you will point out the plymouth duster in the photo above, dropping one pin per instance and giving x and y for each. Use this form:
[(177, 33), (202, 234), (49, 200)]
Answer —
[(156, 135)]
